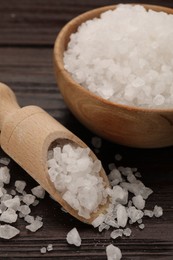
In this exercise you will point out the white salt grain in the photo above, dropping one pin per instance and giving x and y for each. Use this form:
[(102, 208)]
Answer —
[(28, 199), (43, 250), (116, 233), (134, 214), (4, 175), (113, 252), (29, 219), (122, 216), (20, 185), (8, 232), (96, 142), (98, 221), (118, 157), (50, 247), (124, 67), (35, 225), (141, 226), (5, 161), (158, 211), (138, 202), (24, 209), (73, 237), (9, 216), (38, 191), (148, 213), (13, 203), (127, 232)]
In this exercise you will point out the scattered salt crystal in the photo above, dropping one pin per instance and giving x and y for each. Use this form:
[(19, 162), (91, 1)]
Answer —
[(24, 209), (20, 185), (98, 221), (96, 142), (119, 195), (127, 232), (13, 192), (8, 231), (28, 199), (73, 237), (113, 252), (116, 233), (148, 213), (38, 191), (138, 202), (158, 211), (35, 203), (9, 216), (4, 175), (13, 203), (118, 157), (141, 226), (134, 214), (122, 216), (5, 161), (35, 225), (5, 197), (139, 221), (103, 226), (138, 174), (43, 250), (50, 247), (115, 177), (29, 219)]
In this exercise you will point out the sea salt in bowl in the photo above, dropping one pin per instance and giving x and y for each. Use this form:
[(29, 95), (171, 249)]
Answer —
[(119, 118)]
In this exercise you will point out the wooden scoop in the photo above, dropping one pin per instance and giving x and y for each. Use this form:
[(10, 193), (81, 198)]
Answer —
[(27, 134)]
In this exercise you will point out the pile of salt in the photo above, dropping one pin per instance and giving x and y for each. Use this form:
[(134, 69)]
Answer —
[(77, 177), (120, 62)]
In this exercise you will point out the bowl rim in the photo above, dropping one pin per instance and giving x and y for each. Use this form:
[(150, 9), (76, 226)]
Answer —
[(58, 55)]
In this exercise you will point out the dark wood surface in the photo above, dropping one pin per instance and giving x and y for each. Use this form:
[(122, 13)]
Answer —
[(28, 29)]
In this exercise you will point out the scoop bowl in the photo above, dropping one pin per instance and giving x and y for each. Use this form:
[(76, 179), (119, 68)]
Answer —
[(127, 125)]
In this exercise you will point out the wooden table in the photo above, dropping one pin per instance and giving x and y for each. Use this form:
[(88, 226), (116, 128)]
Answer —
[(28, 29)]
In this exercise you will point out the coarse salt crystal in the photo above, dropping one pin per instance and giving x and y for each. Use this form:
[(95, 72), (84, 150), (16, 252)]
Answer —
[(122, 215), (24, 209), (8, 231), (9, 216), (49, 247), (5, 161), (138, 202), (43, 250), (4, 175), (73, 237), (38, 191), (113, 252), (35, 225), (28, 199), (13, 203), (158, 211), (116, 233), (20, 185)]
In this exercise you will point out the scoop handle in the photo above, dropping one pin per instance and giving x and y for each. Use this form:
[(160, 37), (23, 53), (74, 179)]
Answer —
[(8, 103)]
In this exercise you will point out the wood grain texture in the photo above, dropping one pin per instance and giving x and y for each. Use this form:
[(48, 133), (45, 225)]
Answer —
[(28, 29)]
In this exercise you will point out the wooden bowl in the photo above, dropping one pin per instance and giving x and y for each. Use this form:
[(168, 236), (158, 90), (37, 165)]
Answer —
[(123, 124)]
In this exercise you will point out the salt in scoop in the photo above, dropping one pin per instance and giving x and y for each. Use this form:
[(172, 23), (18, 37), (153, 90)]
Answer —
[(26, 135)]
